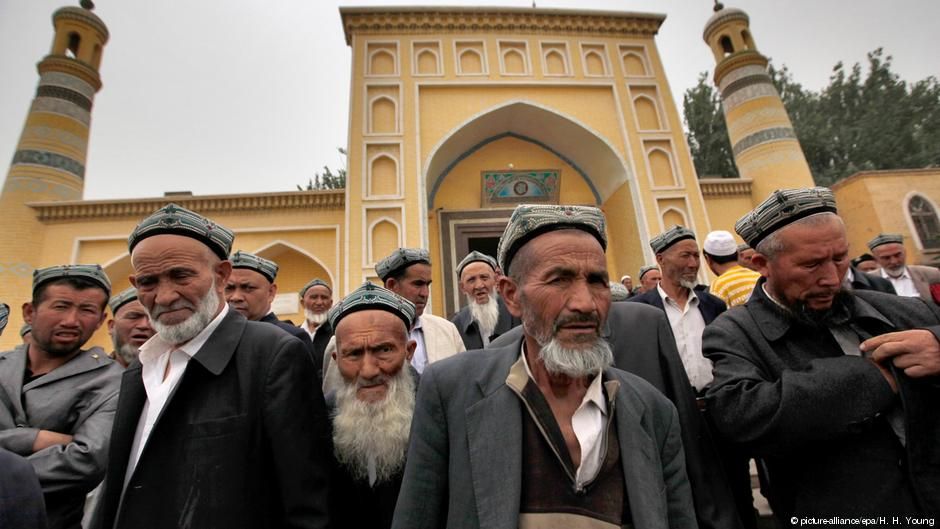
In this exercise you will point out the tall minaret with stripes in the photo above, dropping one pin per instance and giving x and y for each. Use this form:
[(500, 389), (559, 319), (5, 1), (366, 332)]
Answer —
[(765, 146), (49, 161)]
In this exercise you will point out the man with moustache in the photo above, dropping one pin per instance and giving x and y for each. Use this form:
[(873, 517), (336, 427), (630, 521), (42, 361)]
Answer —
[(129, 326), (317, 298), (484, 317), (650, 276), (907, 280), (372, 407), (57, 401), (549, 433), (218, 425), (811, 377), (251, 289)]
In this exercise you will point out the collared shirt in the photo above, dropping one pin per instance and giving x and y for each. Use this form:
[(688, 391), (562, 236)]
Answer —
[(155, 355), (903, 284), (688, 324), (588, 425), (420, 358)]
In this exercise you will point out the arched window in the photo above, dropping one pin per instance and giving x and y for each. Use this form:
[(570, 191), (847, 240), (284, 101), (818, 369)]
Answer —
[(726, 45), (75, 40), (924, 217)]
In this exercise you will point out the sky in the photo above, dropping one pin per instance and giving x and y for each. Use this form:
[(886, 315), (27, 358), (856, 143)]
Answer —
[(241, 96)]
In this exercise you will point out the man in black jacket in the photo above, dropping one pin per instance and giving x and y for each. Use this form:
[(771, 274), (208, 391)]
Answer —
[(485, 316)]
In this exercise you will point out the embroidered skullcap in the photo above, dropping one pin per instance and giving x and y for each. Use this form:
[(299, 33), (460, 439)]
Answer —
[(372, 297), (476, 257), (177, 220), (885, 238), (259, 264), (618, 292), (4, 316), (122, 298), (782, 208), (92, 272), (666, 239), (25, 329), (865, 257), (720, 243), (744, 246), (399, 260), (317, 282), (647, 268), (528, 221)]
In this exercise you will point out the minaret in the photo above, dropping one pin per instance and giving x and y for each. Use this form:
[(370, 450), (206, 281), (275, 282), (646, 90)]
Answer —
[(765, 146), (49, 162)]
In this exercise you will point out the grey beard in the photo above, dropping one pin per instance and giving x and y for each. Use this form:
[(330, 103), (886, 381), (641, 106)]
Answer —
[(895, 272), (688, 284), (485, 315), (187, 330), (576, 363), (373, 431), (126, 351), (315, 318)]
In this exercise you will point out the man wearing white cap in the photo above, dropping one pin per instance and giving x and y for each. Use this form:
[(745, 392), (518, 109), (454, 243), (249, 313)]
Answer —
[(734, 283)]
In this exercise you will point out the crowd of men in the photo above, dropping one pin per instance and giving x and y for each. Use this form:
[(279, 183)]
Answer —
[(554, 398)]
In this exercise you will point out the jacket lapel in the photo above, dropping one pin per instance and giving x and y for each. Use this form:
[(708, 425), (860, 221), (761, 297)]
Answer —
[(494, 437), (636, 457), (921, 283), (89, 360), (12, 366)]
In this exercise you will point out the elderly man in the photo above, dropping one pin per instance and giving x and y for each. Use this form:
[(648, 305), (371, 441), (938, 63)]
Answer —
[(218, 425), (733, 283), (689, 311), (907, 280), (250, 290), (649, 277), (484, 317), (811, 377), (863, 275), (627, 282), (407, 272), (317, 298), (57, 401), (129, 326), (373, 406), (551, 435)]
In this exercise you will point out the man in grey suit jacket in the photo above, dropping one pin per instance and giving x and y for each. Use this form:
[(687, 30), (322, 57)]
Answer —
[(907, 280), (541, 432), (57, 401)]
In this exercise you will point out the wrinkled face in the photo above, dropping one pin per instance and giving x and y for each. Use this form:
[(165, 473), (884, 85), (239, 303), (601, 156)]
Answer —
[(413, 286), (868, 266), (250, 293), (810, 268), (680, 263), (65, 318), (478, 280), (565, 291), (744, 258), (318, 299), (131, 325), (372, 346), (173, 274), (891, 257), (650, 280)]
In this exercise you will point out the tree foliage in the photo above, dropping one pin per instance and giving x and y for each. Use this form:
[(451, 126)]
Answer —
[(708, 133), (858, 122), (327, 179)]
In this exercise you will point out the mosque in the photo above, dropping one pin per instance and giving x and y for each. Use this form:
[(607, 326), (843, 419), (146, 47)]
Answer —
[(456, 115)]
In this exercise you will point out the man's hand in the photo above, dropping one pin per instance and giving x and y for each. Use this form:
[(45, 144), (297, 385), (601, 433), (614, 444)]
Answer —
[(47, 438), (917, 351)]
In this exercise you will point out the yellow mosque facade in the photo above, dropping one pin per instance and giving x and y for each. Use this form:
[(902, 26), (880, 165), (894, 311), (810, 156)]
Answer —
[(456, 115)]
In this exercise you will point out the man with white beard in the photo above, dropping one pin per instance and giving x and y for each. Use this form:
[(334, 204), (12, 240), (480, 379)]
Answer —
[(484, 317), (372, 405), (907, 280), (218, 425), (129, 326), (549, 433), (317, 298)]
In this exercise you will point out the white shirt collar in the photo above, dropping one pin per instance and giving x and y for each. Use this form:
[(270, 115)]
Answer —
[(594, 394), (904, 275), (156, 346), (693, 298)]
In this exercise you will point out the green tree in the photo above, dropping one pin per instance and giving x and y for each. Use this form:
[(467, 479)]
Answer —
[(707, 132), (858, 122), (327, 179)]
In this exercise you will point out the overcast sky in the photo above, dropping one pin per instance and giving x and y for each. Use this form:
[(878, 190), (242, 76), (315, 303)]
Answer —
[(240, 96)]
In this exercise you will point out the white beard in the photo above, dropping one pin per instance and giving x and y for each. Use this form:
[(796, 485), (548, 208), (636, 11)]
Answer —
[(188, 329), (373, 433), (315, 318), (576, 363), (486, 315), (127, 352)]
